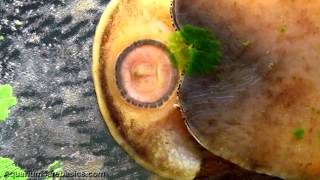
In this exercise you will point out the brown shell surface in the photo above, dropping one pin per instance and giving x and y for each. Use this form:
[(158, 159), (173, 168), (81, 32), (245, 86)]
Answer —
[(262, 109), (156, 138)]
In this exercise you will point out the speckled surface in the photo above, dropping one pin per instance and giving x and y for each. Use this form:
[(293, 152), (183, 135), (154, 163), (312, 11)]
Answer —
[(45, 55)]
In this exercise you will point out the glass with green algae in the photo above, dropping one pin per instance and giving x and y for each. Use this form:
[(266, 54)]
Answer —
[(7, 100), (9, 171), (56, 169)]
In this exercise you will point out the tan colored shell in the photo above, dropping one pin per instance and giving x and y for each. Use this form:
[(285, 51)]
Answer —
[(267, 90), (157, 137)]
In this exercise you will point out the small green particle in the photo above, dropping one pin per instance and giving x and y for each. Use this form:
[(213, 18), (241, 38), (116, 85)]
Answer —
[(7, 100), (246, 43), (2, 38), (18, 23), (283, 29), (298, 133), (194, 51), (9, 171), (56, 170)]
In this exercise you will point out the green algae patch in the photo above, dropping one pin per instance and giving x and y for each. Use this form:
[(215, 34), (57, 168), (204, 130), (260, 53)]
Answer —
[(7, 100), (55, 170), (9, 171), (194, 50), (298, 133)]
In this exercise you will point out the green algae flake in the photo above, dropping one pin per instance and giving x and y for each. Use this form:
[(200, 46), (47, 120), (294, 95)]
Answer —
[(9, 171), (7, 100), (194, 50), (55, 170), (298, 133), (282, 29)]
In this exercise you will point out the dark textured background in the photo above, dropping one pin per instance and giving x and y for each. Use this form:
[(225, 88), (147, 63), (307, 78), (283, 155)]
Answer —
[(47, 60)]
